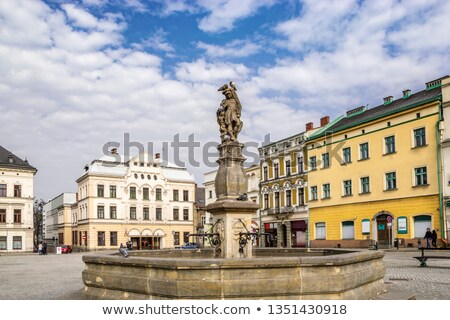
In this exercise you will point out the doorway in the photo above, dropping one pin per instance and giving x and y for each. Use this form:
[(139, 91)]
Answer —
[(383, 229)]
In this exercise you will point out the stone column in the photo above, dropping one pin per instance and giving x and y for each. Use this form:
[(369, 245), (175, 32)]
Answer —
[(230, 215)]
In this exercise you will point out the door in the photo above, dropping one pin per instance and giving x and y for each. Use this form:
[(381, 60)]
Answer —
[(383, 230)]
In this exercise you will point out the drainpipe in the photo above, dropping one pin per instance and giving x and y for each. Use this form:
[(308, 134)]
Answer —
[(438, 155)]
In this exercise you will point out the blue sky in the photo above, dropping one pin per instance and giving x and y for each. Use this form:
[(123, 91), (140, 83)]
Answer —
[(77, 74)]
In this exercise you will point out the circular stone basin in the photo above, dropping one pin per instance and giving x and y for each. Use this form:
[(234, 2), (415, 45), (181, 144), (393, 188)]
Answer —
[(289, 274)]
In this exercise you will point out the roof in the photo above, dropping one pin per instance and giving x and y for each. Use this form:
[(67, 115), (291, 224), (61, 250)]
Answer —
[(15, 163), (383, 110)]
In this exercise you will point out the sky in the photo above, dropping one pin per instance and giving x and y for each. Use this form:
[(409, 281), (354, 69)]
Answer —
[(77, 77)]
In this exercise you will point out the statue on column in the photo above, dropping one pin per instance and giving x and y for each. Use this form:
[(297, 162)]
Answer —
[(229, 113)]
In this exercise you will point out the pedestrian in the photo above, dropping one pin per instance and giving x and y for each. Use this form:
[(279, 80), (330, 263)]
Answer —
[(40, 246), (428, 237), (44, 248), (434, 238)]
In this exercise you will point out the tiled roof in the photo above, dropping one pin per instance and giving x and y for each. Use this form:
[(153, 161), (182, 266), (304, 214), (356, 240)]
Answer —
[(383, 110), (16, 161)]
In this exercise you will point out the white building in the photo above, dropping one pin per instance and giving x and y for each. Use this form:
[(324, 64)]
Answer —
[(144, 201), (16, 203), (53, 218), (445, 149)]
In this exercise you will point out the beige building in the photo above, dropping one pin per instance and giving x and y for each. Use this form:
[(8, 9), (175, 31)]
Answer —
[(143, 201), (16, 203)]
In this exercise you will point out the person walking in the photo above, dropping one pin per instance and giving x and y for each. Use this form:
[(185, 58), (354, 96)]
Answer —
[(434, 238), (428, 237), (40, 248), (44, 248)]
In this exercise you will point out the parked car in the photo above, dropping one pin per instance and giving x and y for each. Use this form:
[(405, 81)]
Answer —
[(190, 245), (66, 248)]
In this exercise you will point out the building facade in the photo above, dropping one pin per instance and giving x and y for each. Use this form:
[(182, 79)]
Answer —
[(144, 202), (16, 203), (283, 189), (374, 174), (445, 149)]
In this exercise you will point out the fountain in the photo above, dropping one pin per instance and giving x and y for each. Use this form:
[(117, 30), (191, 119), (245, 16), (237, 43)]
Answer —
[(232, 268)]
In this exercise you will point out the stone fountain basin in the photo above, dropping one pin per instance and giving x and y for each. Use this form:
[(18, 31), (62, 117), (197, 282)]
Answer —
[(289, 274)]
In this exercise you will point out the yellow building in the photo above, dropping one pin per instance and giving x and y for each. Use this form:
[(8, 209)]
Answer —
[(284, 203), (373, 175)]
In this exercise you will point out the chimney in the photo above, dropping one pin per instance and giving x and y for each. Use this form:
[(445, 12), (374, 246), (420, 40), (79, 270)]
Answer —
[(324, 121), (388, 100), (114, 151), (309, 126), (406, 93), (157, 155)]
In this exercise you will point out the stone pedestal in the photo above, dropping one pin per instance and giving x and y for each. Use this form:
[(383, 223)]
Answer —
[(232, 217)]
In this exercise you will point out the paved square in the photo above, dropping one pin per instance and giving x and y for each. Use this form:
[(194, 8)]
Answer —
[(34, 277)]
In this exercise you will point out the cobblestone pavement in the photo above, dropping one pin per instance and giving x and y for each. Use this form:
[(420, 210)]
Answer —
[(34, 277), (428, 283)]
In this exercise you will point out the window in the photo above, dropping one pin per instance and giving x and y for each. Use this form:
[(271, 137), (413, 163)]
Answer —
[(266, 201), (176, 214), (112, 191), (146, 213), (347, 153), (364, 151), (288, 167), (17, 243), (17, 191), (185, 195), (389, 144), (61, 238), (326, 191), (277, 199), (186, 236), (210, 194), (301, 196), (100, 191), (101, 212), (419, 137), (421, 223), (101, 238), (2, 190), (158, 194), (265, 173), (365, 185), (17, 216), (158, 214), (348, 230), (300, 168), (326, 160), (112, 212), (391, 181), (402, 225), (314, 193), (145, 194), (288, 198), (133, 213), (176, 238), (2, 215), (185, 214), (132, 192), (276, 170), (347, 187), (365, 227), (313, 163), (320, 231), (3, 243), (421, 176), (113, 238), (176, 198)]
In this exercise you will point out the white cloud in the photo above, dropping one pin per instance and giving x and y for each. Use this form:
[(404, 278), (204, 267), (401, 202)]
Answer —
[(233, 49), (157, 41), (201, 71), (224, 13)]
